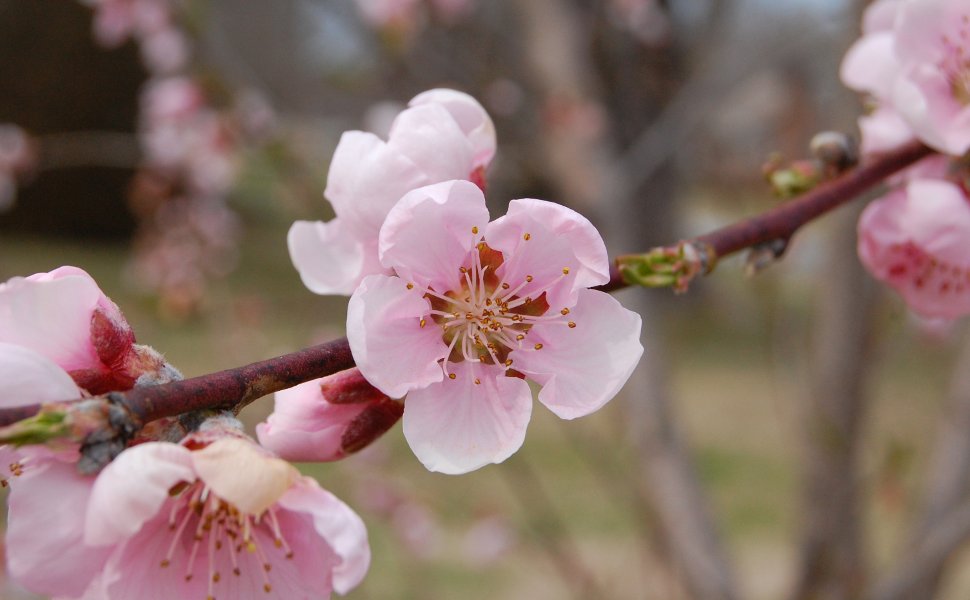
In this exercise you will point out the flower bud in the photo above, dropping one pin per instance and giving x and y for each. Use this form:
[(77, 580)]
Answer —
[(329, 418)]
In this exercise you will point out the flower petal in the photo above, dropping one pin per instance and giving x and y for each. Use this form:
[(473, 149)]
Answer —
[(429, 136), (51, 316), (582, 368), (870, 65), (470, 116), (541, 239), (330, 257), (45, 530), (30, 378), (367, 176), (391, 349), (132, 488), (457, 426), (336, 523), (427, 235), (243, 474)]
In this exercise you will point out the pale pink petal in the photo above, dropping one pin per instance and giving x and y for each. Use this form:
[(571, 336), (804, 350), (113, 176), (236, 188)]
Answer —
[(45, 529), (366, 178), (924, 96), (921, 28), (391, 348), (427, 235), (29, 378), (338, 525), (880, 15), (555, 247), (582, 368), (132, 488), (917, 240), (870, 65), (52, 317), (239, 471), (882, 131), (457, 426), (304, 426), (470, 116), (432, 140), (330, 257)]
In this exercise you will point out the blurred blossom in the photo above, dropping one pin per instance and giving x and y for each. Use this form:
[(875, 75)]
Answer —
[(645, 19), (916, 239), (933, 329), (165, 51), (385, 13), (417, 529), (255, 114), (914, 59), (117, 20), (488, 540), (504, 97)]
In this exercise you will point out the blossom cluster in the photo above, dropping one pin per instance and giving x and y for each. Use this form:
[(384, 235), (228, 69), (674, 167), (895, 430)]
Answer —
[(214, 515), (913, 62)]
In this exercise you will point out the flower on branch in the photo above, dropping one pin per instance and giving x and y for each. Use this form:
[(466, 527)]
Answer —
[(473, 308), (914, 60), (443, 135), (327, 419), (916, 239)]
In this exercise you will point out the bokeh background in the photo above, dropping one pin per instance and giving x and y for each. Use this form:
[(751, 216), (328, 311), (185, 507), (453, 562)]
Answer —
[(790, 435)]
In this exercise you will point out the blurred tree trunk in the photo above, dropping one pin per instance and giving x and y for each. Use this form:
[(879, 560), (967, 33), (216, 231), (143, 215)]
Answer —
[(581, 159), (832, 565)]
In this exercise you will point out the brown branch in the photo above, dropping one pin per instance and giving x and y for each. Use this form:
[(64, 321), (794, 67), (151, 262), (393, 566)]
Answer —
[(232, 388)]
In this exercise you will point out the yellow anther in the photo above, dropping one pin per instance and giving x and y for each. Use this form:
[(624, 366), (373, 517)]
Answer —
[(216, 577), (528, 278), (478, 381), (463, 269), (267, 588), (565, 270), (527, 236), (422, 323), (474, 229), (505, 286), (572, 324), (538, 346), (508, 363), (564, 312), (164, 563), (452, 376), (520, 337), (410, 286)]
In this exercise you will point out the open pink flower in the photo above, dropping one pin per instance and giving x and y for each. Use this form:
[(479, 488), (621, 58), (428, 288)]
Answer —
[(65, 316), (48, 497), (227, 520), (914, 59), (328, 418), (473, 308), (443, 135), (917, 240)]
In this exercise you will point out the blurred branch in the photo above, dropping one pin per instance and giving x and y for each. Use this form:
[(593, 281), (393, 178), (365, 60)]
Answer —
[(550, 528), (947, 487), (832, 563)]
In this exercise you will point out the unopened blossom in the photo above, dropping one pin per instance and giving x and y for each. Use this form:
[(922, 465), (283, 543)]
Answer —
[(443, 135), (64, 316), (916, 239), (473, 308), (326, 419), (227, 520)]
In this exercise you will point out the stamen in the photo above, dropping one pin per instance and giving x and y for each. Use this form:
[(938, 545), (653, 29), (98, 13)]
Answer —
[(410, 286), (527, 236), (474, 229)]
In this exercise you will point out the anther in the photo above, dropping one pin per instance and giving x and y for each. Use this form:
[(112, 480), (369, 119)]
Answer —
[(572, 324), (422, 323), (564, 312), (216, 577), (508, 363), (164, 563), (528, 278), (410, 286), (520, 337), (463, 269), (478, 381), (451, 376), (267, 588), (527, 236), (538, 346), (236, 571), (505, 286), (474, 229), (565, 270)]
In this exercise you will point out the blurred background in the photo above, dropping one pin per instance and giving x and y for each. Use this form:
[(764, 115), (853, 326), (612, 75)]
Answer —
[(794, 435)]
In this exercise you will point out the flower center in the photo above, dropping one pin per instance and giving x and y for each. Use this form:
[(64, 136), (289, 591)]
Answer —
[(217, 526), (956, 62), (489, 316)]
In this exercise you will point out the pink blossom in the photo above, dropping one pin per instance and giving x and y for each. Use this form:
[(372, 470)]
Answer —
[(914, 60), (386, 13), (916, 239), (47, 496), (65, 316), (327, 419), (444, 135), (474, 307), (227, 520)]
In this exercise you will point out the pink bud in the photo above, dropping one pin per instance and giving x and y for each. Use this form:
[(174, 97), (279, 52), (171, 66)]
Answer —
[(329, 418)]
